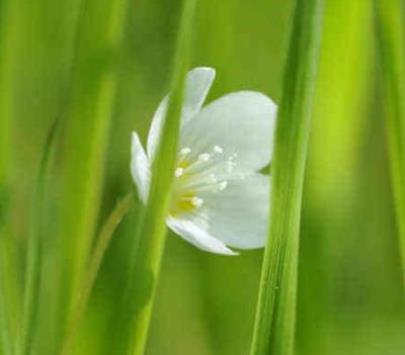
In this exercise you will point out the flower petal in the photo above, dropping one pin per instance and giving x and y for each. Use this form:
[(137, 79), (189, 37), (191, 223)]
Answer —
[(241, 123), (197, 236), (140, 168), (239, 215), (198, 83)]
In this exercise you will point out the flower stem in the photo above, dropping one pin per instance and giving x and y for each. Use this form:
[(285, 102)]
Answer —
[(390, 28), (7, 23), (103, 242), (274, 329)]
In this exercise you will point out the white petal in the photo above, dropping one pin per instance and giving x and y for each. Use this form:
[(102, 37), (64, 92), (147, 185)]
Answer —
[(155, 128), (197, 236), (140, 168), (242, 123), (198, 83), (239, 215)]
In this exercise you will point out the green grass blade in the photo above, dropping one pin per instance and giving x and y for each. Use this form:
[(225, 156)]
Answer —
[(274, 329), (331, 228), (34, 251), (102, 244), (93, 85), (146, 260), (8, 303), (6, 337), (390, 27)]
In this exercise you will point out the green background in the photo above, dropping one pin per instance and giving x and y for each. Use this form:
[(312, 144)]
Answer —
[(350, 293)]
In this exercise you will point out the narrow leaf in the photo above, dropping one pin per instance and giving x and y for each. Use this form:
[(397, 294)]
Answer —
[(275, 318), (34, 252), (390, 27), (6, 338), (102, 244), (146, 257), (93, 84)]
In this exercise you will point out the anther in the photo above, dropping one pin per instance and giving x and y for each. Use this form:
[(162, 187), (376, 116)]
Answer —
[(185, 151), (204, 157), (218, 149), (178, 172), (197, 201)]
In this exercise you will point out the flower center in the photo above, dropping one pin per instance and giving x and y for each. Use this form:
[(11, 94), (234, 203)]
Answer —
[(198, 176)]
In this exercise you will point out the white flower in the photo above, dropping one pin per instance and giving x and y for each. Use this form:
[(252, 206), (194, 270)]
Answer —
[(218, 199)]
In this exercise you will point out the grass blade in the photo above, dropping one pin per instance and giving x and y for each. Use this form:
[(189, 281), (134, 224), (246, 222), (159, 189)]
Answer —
[(331, 225), (92, 90), (275, 318), (94, 72), (146, 258), (33, 258), (6, 340), (390, 28), (103, 242), (10, 295)]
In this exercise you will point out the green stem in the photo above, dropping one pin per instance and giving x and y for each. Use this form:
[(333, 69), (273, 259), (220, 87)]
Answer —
[(390, 28), (146, 257), (7, 19), (274, 329), (103, 242), (34, 253)]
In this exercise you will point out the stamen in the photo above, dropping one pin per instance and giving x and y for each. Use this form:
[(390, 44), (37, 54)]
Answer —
[(178, 172), (185, 151), (218, 149), (197, 201), (204, 157)]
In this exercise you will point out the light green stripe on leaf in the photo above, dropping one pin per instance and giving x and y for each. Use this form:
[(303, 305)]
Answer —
[(390, 27)]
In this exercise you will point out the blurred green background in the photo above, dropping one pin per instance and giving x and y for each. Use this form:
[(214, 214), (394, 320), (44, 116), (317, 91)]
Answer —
[(350, 294)]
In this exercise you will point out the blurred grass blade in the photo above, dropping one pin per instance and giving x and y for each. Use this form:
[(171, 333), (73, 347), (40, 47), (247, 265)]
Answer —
[(275, 318), (5, 340), (103, 242), (8, 301), (34, 250), (331, 234), (144, 271), (93, 85), (390, 28)]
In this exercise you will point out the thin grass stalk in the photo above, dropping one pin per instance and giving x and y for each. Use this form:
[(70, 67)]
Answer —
[(6, 344), (147, 254), (102, 244), (34, 251), (94, 72), (7, 301), (390, 29), (274, 329)]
